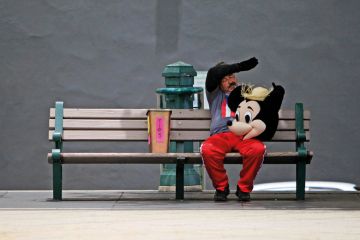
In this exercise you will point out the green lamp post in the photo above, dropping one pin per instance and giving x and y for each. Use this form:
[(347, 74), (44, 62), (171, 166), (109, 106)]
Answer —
[(179, 94)]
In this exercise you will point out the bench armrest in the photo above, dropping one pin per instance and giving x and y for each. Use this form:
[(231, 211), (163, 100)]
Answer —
[(59, 115), (300, 132)]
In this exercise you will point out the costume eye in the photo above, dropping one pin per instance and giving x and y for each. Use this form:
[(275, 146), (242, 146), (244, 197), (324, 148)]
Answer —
[(248, 117), (237, 117)]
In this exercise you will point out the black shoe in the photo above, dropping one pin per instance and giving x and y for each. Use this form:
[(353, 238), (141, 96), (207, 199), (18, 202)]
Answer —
[(221, 196), (243, 196)]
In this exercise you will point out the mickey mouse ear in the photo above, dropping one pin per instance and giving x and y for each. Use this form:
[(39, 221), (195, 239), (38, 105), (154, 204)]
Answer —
[(235, 98)]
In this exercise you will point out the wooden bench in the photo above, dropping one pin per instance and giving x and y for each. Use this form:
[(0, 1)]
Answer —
[(73, 124)]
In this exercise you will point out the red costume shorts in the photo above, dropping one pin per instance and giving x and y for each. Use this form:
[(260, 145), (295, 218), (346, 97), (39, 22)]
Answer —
[(213, 151)]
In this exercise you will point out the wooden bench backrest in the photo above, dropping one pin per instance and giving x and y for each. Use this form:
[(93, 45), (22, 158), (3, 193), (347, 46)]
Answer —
[(131, 125)]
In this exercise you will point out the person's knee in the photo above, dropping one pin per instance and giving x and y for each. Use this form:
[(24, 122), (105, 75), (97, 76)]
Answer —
[(206, 149), (210, 151), (256, 149), (259, 148)]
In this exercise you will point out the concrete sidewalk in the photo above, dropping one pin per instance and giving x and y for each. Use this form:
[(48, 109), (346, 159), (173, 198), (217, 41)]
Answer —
[(153, 215), (154, 200)]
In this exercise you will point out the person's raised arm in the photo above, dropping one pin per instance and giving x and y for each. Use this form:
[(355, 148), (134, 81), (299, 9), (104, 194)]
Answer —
[(218, 72)]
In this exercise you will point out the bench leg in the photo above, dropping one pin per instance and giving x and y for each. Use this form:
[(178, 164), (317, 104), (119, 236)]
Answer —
[(179, 179), (300, 180), (57, 181)]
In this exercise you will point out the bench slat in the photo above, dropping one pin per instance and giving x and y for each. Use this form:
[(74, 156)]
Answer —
[(280, 136), (141, 113), (153, 158), (105, 124), (137, 135), (205, 114), (106, 113), (102, 124)]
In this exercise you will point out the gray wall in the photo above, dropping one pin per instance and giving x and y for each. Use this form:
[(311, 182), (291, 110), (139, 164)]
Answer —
[(111, 54)]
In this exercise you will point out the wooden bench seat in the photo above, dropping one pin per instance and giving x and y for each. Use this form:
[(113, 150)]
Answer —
[(72, 124)]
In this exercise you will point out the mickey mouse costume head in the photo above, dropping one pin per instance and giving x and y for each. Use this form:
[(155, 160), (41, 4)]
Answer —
[(256, 111)]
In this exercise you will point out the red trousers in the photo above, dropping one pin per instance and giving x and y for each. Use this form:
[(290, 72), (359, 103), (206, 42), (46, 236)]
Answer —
[(213, 151)]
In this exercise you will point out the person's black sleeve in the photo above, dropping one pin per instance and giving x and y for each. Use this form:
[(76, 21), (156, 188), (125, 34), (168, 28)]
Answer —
[(217, 73)]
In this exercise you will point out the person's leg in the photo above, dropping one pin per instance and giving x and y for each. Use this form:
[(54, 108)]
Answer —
[(252, 151), (213, 151)]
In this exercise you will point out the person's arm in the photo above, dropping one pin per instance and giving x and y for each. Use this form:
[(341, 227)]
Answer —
[(211, 82), (218, 72)]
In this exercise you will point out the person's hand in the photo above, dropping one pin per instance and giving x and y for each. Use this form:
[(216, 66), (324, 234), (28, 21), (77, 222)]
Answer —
[(248, 64), (278, 87)]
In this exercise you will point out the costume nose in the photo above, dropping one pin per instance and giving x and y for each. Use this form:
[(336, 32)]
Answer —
[(229, 123)]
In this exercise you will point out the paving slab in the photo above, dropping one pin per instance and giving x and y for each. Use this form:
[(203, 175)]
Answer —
[(157, 215), (180, 224), (154, 200)]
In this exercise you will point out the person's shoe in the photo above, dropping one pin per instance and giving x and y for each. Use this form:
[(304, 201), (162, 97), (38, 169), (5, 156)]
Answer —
[(221, 196), (243, 196)]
